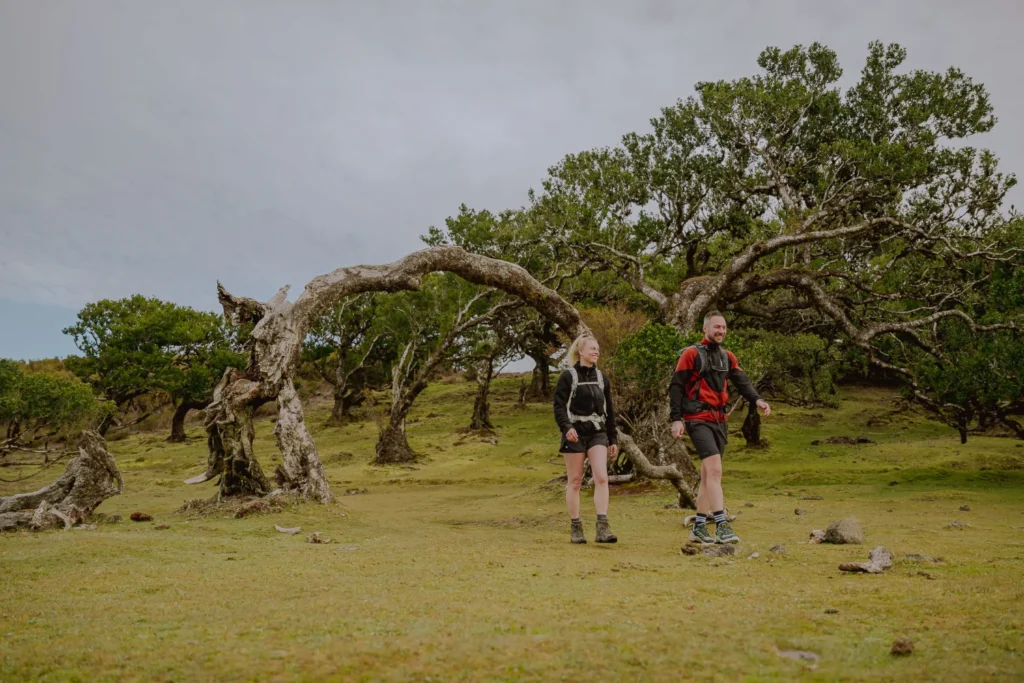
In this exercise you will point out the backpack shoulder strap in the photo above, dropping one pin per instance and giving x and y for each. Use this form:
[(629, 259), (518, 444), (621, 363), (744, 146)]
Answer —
[(600, 380), (702, 353)]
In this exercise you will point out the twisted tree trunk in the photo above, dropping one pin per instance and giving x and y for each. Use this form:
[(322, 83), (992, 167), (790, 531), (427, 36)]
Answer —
[(341, 410), (178, 421), (481, 405), (540, 381), (680, 472), (89, 479), (393, 447)]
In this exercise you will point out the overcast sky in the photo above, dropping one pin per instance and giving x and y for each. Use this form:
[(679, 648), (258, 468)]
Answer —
[(156, 147)]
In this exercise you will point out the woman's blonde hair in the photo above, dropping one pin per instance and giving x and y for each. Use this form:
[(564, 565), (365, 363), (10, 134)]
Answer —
[(577, 344)]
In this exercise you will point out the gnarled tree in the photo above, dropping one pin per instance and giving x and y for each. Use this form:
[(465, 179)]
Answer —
[(800, 206), (279, 330), (436, 325), (352, 351)]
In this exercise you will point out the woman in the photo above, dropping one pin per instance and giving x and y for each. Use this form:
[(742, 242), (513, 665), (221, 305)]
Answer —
[(583, 411)]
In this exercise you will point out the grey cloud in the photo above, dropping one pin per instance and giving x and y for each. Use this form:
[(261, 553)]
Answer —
[(156, 147)]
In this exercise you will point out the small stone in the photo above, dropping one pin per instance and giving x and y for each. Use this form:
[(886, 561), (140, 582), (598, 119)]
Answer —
[(925, 575), (958, 525), (880, 560), (163, 526), (881, 557), (754, 556), (844, 531), (816, 442), (720, 551), (799, 511), (349, 547), (317, 538), (141, 517), (748, 505), (817, 536), (916, 557), (902, 646), (800, 656), (831, 610), (778, 549), (864, 439), (689, 550), (113, 519), (814, 497), (671, 506), (965, 508), (288, 530), (894, 483)]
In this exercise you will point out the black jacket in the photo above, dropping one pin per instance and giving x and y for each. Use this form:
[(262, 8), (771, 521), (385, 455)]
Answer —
[(586, 402)]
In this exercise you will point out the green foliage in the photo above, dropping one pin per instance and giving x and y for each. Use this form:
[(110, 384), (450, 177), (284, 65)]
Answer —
[(976, 380), (643, 365), (798, 368), (32, 403), (352, 346), (137, 346)]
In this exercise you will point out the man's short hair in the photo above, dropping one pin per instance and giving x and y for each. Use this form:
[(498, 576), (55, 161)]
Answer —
[(713, 314)]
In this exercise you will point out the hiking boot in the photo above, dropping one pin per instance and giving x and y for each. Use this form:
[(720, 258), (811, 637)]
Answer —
[(576, 531), (725, 534), (604, 532), (700, 534)]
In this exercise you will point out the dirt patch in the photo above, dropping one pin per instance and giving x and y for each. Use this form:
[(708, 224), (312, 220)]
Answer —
[(633, 488)]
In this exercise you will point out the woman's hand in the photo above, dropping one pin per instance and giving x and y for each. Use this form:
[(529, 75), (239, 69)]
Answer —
[(571, 435)]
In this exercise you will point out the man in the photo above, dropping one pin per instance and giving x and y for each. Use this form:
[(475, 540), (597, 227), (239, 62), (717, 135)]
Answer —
[(698, 396)]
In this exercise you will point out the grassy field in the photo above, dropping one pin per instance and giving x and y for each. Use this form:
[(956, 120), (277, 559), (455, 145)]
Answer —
[(459, 567)]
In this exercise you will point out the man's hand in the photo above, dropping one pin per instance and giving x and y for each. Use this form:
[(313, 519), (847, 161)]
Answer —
[(766, 409), (613, 450), (571, 435), (677, 429)]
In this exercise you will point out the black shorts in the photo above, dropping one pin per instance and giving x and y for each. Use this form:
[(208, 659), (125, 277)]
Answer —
[(709, 438), (589, 437)]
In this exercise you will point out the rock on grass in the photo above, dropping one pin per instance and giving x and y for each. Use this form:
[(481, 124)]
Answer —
[(844, 531), (880, 559)]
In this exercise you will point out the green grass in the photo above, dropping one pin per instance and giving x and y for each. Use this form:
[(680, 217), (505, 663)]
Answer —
[(464, 571)]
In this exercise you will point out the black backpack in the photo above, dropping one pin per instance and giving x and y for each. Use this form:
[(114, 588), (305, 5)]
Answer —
[(718, 363)]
